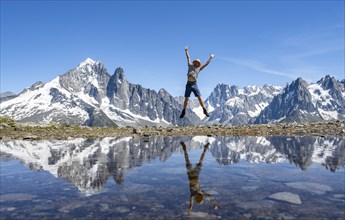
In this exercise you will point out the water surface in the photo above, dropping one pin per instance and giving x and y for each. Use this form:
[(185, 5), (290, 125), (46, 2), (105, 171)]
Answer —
[(124, 178)]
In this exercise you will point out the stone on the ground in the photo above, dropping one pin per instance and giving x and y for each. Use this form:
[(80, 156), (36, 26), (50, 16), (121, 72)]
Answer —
[(286, 197), (136, 131)]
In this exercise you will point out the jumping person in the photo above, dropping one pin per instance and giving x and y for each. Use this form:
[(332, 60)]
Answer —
[(193, 72)]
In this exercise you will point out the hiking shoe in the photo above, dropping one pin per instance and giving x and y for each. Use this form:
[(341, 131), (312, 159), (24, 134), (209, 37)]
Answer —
[(206, 113), (183, 113)]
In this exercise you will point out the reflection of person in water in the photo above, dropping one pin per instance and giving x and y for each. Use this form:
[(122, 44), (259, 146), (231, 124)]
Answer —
[(193, 175)]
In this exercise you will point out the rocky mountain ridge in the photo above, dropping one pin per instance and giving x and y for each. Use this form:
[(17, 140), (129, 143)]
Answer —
[(298, 101), (232, 105), (88, 95), (303, 102)]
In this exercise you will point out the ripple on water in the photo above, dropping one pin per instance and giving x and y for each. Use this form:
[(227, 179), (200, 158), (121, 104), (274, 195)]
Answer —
[(316, 188), (16, 197)]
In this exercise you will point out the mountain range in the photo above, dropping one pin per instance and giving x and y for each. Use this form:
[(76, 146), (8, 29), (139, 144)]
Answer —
[(88, 95), (303, 102)]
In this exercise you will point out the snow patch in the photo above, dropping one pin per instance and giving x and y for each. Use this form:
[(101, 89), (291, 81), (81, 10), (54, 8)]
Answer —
[(235, 101), (39, 101), (258, 108), (319, 95), (203, 139), (328, 115), (199, 112)]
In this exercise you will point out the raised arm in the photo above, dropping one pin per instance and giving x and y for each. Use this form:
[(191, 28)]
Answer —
[(208, 62), (187, 54), (185, 154)]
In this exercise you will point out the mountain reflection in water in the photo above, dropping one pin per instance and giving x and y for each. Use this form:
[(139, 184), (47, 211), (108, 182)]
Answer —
[(88, 164)]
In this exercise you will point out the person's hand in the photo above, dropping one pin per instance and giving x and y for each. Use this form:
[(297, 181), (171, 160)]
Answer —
[(212, 55), (186, 48), (215, 207)]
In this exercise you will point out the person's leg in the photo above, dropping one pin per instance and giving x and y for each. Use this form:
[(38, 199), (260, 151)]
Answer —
[(203, 106), (197, 93), (186, 97), (184, 107), (201, 102), (185, 102)]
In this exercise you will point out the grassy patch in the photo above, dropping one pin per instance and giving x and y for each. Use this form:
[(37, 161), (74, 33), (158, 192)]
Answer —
[(7, 120)]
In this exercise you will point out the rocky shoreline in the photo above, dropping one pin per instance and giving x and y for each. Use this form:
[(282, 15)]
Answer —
[(29, 131)]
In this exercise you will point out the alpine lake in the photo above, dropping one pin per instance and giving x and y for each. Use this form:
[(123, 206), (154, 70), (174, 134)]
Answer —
[(200, 177)]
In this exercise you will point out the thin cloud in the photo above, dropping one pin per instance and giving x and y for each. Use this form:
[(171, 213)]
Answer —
[(312, 53), (313, 43), (258, 66)]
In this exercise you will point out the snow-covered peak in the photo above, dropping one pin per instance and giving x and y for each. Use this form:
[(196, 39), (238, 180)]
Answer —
[(203, 139), (87, 61), (87, 65), (249, 89)]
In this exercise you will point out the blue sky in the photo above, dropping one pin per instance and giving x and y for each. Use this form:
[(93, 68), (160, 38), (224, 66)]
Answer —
[(255, 42)]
